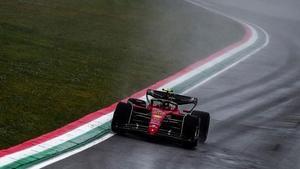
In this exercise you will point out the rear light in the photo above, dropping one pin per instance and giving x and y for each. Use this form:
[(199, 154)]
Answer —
[(152, 130)]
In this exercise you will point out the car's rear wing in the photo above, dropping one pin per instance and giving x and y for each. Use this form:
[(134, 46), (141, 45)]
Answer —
[(166, 95)]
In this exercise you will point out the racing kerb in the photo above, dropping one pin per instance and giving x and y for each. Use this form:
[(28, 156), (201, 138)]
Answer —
[(95, 127)]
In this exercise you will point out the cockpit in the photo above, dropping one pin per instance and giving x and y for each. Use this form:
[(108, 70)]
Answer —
[(164, 104)]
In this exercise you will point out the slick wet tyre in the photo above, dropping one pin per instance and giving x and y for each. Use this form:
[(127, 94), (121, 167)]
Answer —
[(121, 117), (204, 124), (190, 131)]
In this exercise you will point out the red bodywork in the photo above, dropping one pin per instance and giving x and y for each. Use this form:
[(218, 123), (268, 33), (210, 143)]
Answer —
[(158, 114)]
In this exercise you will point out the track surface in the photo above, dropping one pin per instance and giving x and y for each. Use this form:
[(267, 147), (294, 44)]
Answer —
[(255, 106)]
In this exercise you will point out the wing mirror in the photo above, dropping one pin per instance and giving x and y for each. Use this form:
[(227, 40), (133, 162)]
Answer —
[(168, 90), (186, 111)]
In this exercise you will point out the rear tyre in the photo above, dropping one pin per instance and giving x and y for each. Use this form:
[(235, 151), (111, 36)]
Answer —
[(204, 124), (121, 117), (190, 131)]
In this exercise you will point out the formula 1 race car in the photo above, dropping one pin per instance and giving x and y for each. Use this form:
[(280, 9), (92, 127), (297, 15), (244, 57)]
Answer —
[(164, 114)]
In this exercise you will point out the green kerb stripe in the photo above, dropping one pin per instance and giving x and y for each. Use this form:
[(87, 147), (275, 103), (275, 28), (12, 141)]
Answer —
[(75, 143)]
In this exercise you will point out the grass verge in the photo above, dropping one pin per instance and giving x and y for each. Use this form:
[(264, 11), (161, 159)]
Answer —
[(62, 59)]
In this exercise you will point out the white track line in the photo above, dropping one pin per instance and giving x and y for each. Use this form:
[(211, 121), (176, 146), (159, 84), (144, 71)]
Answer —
[(205, 6), (230, 66)]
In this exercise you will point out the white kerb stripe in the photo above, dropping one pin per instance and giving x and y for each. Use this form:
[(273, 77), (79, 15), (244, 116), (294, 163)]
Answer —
[(55, 141)]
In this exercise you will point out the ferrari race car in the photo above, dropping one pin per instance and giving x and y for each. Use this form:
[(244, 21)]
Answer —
[(164, 114)]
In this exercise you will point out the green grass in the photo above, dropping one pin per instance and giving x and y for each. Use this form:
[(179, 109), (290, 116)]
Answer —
[(62, 59)]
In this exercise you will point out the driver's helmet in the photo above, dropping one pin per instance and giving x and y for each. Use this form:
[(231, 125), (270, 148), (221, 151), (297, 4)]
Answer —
[(166, 105)]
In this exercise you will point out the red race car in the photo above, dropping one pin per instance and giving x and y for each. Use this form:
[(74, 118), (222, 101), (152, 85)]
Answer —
[(164, 114)]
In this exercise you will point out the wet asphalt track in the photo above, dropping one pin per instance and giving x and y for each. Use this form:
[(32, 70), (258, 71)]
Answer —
[(255, 107)]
